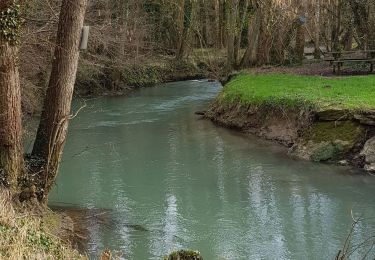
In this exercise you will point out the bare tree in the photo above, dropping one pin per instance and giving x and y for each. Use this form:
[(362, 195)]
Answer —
[(53, 127)]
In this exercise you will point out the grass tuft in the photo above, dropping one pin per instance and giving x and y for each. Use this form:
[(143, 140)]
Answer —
[(24, 236)]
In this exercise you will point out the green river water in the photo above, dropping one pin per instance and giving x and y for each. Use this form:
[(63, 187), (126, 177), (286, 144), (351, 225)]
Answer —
[(171, 180)]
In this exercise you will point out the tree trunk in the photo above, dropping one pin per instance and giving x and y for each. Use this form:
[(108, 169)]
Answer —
[(217, 39), (336, 26), (222, 23), (300, 43), (53, 127), (231, 28), (300, 36), (241, 15), (263, 48), (249, 57), (348, 39), (11, 152), (188, 18), (180, 28), (317, 52)]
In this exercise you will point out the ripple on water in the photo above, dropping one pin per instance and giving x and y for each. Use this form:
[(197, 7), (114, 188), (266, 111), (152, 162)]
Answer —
[(120, 123)]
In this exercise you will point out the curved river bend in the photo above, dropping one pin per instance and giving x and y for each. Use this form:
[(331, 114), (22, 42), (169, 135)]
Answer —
[(171, 180)]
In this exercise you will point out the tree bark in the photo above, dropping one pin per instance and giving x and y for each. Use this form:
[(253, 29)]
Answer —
[(53, 127), (263, 48), (180, 28), (336, 26), (317, 52), (300, 36), (249, 57), (241, 15), (11, 152), (231, 28), (222, 23)]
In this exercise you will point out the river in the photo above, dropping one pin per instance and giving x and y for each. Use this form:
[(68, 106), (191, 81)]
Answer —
[(172, 180)]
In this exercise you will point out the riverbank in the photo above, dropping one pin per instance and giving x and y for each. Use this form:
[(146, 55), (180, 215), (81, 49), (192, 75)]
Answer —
[(107, 77), (94, 81), (31, 236), (320, 119)]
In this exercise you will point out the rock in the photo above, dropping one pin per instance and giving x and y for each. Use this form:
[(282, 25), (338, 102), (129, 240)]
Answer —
[(343, 163), (106, 255), (368, 151), (334, 115), (184, 255), (318, 152), (366, 117), (328, 141), (370, 168), (326, 151), (365, 120), (201, 113)]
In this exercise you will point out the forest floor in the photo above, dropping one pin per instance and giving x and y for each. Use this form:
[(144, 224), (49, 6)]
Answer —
[(313, 68)]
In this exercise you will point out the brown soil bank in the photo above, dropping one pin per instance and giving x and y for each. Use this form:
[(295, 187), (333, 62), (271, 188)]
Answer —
[(341, 136)]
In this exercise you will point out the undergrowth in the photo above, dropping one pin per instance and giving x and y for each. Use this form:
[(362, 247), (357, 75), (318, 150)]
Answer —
[(24, 236)]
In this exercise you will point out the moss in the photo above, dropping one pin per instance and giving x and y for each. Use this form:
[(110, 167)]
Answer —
[(90, 79), (327, 151), (184, 255), (332, 140), (347, 131), (140, 75), (10, 23)]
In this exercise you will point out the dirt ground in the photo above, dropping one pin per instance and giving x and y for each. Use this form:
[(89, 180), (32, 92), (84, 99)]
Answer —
[(316, 68)]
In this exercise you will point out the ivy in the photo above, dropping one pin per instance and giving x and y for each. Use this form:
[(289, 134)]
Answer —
[(10, 23)]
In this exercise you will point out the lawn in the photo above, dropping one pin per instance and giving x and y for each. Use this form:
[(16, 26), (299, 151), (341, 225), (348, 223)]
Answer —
[(355, 92)]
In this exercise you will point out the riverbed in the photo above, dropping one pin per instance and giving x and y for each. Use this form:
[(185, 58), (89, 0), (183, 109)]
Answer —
[(169, 180)]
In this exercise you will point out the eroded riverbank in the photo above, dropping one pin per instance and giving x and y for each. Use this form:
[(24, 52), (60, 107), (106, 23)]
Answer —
[(316, 126)]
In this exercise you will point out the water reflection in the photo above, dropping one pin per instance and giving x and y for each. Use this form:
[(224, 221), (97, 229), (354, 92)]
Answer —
[(174, 181)]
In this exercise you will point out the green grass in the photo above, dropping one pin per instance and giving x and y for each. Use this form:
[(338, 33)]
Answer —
[(355, 93)]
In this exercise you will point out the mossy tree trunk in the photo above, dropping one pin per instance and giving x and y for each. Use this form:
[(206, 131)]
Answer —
[(11, 152), (185, 21), (242, 14), (53, 127)]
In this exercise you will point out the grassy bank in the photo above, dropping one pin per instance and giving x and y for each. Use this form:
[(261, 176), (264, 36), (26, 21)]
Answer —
[(24, 236), (356, 92)]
